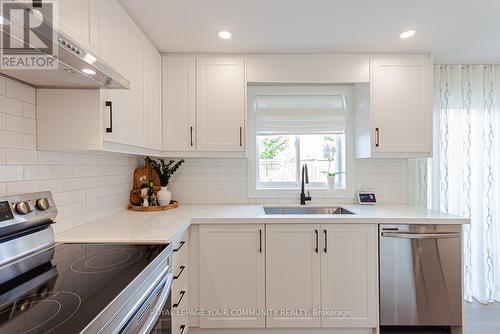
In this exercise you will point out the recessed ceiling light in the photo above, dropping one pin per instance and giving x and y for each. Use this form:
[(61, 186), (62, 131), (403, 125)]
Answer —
[(224, 34), (407, 33), (88, 71)]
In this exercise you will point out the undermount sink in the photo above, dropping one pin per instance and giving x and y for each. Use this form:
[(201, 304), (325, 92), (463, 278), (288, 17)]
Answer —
[(311, 210)]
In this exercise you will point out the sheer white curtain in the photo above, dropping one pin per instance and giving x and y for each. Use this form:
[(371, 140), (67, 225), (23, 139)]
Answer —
[(467, 98)]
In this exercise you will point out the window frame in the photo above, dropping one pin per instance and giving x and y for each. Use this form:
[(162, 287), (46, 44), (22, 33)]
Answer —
[(290, 190)]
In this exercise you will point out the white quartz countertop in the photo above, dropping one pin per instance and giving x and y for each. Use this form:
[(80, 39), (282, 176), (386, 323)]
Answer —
[(162, 227)]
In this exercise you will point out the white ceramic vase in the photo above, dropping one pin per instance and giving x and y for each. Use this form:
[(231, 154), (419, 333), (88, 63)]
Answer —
[(331, 182), (164, 196)]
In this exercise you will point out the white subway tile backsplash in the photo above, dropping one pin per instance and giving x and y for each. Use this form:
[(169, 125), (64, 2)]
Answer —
[(3, 121), (11, 106), (11, 173), (21, 187), (21, 124), (36, 172), (3, 156), (49, 158), (21, 157), (29, 110), (20, 92), (29, 142), (3, 189), (10, 139), (2, 86)]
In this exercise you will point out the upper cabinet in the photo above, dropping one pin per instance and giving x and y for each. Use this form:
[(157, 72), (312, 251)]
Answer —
[(220, 87), (203, 104), (152, 94), (179, 103), (394, 113), (118, 120), (77, 21)]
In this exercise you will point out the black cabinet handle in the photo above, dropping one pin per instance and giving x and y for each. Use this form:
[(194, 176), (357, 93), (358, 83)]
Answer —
[(326, 241), (180, 246), (180, 272), (191, 130), (182, 328), (377, 137), (260, 241), (317, 241), (182, 293), (109, 105), (241, 136)]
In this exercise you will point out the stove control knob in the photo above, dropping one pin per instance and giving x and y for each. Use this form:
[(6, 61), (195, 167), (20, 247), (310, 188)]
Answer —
[(23, 208), (42, 204)]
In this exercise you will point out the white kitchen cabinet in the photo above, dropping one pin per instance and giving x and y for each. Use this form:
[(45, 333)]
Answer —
[(220, 103), (120, 44), (179, 103), (231, 275), (152, 94), (394, 115), (349, 276), (74, 20), (293, 275)]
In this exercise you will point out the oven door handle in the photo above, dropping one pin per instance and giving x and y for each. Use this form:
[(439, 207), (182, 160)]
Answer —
[(157, 309), (421, 236)]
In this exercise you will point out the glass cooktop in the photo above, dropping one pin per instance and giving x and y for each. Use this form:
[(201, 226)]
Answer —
[(62, 289)]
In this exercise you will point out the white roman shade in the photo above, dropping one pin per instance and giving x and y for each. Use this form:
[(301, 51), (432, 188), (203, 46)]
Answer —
[(300, 114)]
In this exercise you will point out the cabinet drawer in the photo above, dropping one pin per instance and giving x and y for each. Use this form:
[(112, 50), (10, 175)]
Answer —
[(180, 251), (180, 283)]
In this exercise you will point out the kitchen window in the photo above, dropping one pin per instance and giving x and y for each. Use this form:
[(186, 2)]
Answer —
[(290, 126)]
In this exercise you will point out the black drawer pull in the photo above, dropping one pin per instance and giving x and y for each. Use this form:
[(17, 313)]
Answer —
[(326, 241), (180, 272), (182, 293), (180, 246), (317, 241), (182, 328)]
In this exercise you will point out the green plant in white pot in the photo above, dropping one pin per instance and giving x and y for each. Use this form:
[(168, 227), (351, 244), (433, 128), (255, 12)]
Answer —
[(331, 179), (165, 172)]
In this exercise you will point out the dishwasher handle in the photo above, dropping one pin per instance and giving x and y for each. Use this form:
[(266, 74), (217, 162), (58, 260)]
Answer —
[(421, 236)]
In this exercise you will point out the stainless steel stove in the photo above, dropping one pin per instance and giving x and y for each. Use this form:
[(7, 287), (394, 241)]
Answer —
[(47, 287)]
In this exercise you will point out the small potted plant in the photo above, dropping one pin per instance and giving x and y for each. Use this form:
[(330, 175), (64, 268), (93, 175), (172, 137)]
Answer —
[(165, 172), (329, 151)]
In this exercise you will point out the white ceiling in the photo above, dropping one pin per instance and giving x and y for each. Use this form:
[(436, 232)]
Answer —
[(453, 30)]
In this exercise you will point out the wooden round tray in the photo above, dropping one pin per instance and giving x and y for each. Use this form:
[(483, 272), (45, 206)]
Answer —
[(172, 205)]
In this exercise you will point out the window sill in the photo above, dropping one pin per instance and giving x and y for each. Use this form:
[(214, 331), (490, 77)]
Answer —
[(316, 193)]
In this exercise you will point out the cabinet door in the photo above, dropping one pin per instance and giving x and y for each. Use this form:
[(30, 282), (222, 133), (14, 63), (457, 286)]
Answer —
[(152, 94), (293, 275), (74, 20), (231, 259), (120, 45), (401, 104), (179, 108), (220, 104), (349, 276)]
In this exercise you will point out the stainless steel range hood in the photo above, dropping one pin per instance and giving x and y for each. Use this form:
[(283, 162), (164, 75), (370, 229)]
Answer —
[(72, 59)]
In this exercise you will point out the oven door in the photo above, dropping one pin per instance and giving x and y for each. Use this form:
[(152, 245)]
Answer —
[(153, 316)]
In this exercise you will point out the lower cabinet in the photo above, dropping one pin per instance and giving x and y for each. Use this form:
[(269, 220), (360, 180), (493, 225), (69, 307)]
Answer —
[(349, 281), (231, 276), (292, 275), (180, 285), (301, 275)]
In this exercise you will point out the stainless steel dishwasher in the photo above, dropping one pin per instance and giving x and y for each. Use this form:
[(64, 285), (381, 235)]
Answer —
[(421, 275)]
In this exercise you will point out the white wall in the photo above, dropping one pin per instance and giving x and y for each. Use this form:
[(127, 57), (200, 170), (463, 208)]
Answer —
[(225, 181), (85, 186)]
